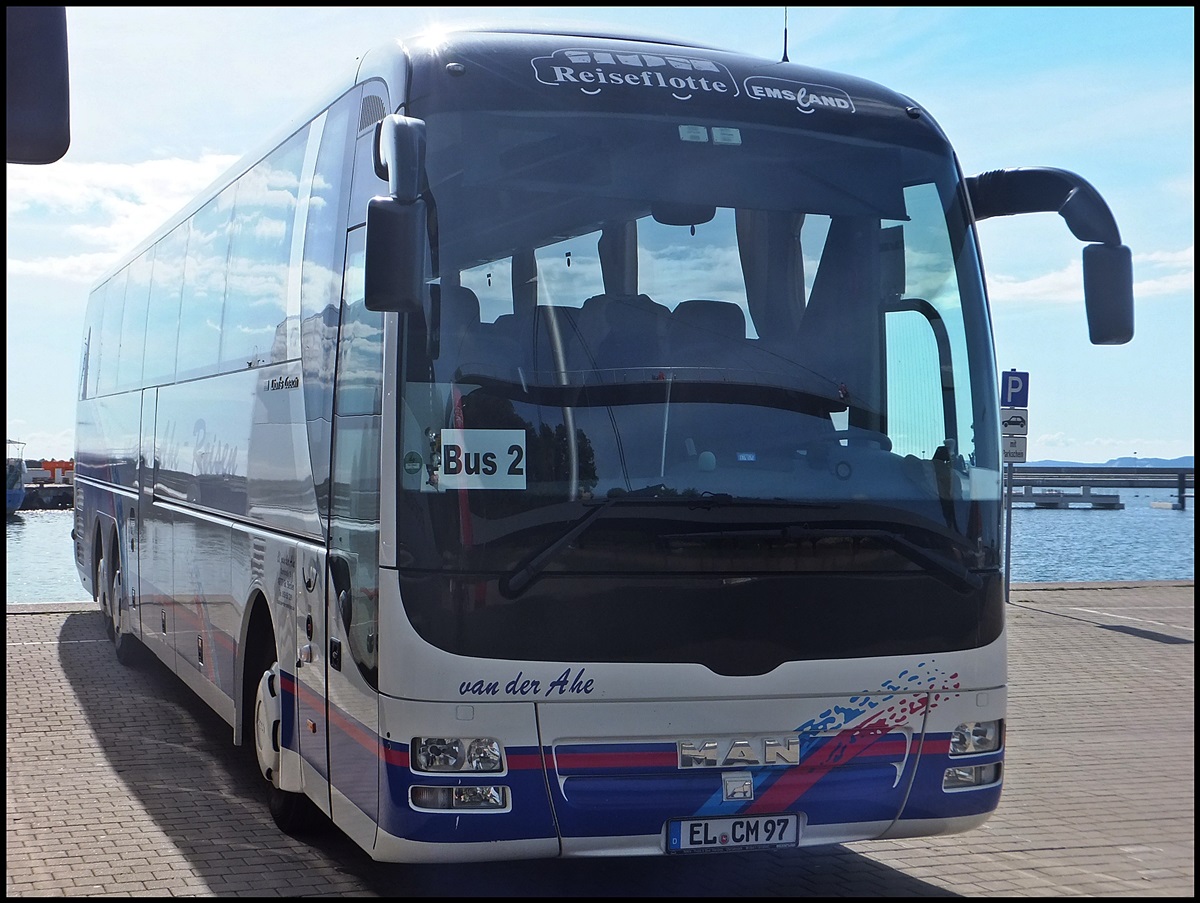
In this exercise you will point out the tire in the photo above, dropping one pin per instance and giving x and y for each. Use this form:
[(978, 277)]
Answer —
[(104, 596), (128, 646), (293, 813)]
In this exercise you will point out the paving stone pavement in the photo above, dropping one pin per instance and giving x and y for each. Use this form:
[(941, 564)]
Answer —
[(121, 783)]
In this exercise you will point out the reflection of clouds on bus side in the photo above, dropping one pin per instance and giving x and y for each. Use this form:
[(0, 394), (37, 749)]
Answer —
[(269, 229), (355, 278), (258, 282), (269, 188), (320, 281)]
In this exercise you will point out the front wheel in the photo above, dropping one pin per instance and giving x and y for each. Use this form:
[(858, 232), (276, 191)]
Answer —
[(293, 812)]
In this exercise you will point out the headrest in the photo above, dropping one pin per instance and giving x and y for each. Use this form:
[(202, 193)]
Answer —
[(719, 318), (460, 305), (621, 311)]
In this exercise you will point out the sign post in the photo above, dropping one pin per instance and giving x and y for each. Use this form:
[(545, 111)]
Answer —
[(1014, 432)]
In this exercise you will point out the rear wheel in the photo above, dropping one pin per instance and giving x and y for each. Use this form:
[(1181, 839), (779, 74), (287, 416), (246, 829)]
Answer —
[(104, 593), (126, 644)]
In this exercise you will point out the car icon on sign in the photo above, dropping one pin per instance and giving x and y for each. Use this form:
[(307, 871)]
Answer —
[(1016, 420)]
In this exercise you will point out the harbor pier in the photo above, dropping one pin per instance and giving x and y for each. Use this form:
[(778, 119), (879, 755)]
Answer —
[(1059, 487)]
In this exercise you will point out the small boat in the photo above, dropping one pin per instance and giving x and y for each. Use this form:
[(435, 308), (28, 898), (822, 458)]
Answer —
[(14, 476)]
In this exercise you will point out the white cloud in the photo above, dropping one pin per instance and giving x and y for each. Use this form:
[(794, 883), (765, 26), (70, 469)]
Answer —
[(1061, 286), (1155, 274), (81, 268), (1184, 258), (108, 206)]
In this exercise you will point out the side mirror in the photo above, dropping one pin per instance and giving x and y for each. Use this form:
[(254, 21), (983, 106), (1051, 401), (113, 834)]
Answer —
[(1107, 265), (397, 225), (38, 116), (1108, 293)]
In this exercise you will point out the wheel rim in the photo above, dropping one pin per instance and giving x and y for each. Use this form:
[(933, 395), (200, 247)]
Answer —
[(102, 585), (104, 596), (117, 602), (267, 716)]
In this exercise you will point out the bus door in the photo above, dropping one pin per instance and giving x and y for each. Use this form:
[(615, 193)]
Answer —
[(352, 575)]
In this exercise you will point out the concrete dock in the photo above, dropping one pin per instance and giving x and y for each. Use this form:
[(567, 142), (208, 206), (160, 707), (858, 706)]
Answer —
[(121, 783)]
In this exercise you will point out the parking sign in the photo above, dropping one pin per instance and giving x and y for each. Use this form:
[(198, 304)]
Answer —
[(1014, 389)]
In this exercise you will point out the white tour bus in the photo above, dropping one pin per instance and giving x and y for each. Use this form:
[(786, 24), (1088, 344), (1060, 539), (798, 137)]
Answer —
[(572, 445)]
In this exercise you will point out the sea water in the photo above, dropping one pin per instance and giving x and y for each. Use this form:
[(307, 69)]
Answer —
[(1142, 541)]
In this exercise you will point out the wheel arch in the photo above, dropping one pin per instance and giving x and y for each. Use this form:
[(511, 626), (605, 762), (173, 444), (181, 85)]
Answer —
[(257, 647), (97, 557)]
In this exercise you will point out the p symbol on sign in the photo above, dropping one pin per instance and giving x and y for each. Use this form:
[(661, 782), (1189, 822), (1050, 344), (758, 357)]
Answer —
[(1014, 389)]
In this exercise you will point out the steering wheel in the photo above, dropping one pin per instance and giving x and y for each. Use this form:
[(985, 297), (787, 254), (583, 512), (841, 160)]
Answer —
[(881, 439)]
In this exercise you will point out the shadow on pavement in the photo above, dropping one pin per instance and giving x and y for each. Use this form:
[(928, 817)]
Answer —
[(177, 760)]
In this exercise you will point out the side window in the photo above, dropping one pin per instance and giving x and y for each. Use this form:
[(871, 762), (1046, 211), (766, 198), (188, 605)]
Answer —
[(162, 318), (321, 284), (133, 322), (356, 462), (204, 288), (926, 337), (254, 328), (110, 333), (492, 285), (569, 271), (89, 356), (915, 415)]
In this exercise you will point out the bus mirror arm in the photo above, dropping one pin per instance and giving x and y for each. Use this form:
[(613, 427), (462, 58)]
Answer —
[(400, 155), (1107, 264)]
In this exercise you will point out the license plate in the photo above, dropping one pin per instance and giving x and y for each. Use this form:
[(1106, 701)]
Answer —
[(718, 835)]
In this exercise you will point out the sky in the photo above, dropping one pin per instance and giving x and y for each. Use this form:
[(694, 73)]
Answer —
[(164, 99)]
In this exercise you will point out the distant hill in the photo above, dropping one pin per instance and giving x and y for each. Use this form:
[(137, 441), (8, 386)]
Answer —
[(1186, 461)]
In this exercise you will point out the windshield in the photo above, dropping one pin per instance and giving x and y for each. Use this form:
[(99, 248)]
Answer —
[(690, 343)]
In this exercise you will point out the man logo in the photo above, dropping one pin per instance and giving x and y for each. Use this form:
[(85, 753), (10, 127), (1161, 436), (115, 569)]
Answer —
[(717, 754)]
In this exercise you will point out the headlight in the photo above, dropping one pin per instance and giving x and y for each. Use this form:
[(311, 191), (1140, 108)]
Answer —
[(448, 754), (975, 737)]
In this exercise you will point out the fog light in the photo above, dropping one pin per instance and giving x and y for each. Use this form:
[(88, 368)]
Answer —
[(490, 798), (432, 797), (443, 754), (975, 737), (971, 776)]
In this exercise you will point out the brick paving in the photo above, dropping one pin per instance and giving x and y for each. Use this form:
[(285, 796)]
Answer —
[(121, 783)]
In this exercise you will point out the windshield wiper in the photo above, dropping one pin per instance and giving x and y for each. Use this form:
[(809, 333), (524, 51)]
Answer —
[(949, 571), (654, 391), (514, 584)]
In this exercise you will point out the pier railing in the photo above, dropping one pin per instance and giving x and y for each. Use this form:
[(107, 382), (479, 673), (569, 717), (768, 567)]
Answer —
[(1053, 480)]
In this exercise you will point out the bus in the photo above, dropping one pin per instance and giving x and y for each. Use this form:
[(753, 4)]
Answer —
[(576, 444)]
